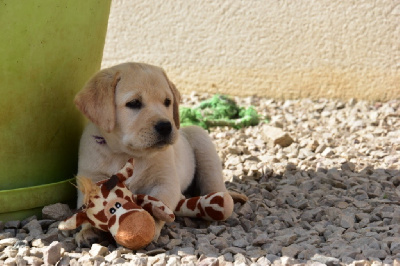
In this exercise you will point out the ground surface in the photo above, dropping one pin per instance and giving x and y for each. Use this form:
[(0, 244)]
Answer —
[(330, 196)]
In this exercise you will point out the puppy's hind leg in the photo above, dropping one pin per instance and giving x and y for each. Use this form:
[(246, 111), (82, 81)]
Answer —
[(209, 176)]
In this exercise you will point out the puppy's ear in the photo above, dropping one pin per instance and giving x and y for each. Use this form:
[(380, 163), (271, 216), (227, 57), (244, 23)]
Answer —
[(97, 99), (177, 100)]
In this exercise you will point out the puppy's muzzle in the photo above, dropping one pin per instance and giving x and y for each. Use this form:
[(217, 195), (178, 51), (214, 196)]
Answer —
[(163, 128)]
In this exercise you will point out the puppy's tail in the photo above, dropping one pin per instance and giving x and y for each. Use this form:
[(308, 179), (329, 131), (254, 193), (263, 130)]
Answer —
[(238, 197)]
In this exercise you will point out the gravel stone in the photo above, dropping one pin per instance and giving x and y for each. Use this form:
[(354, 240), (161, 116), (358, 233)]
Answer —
[(395, 248), (12, 224), (240, 243), (185, 251), (27, 220), (173, 261), (52, 254), (291, 251), (261, 240), (286, 240), (45, 224), (273, 248), (7, 242), (58, 212), (347, 220), (208, 262), (23, 251), (220, 243), (87, 259), (98, 250), (34, 228), (10, 252), (240, 259), (263, 261), (113, 255), (10, 262), (36, 261), (36, 252), (277, 136), (325, 260), (140, 261), (64, 261), (4, 235), (206, 249), (216, 229), (233, 250), (373, 253), (348, 166), (156, 251), (38, 243), (13, 232)]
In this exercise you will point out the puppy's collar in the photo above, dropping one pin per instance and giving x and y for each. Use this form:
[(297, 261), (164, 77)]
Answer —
[(99, 140)]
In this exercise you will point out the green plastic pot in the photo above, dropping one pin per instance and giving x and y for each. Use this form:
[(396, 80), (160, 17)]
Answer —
[(48, 50)]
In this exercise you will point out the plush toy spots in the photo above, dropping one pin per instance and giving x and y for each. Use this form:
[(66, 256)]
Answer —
[(110, 206)]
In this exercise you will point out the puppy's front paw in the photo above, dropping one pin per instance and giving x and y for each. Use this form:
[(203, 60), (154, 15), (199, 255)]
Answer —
[(87, 236)]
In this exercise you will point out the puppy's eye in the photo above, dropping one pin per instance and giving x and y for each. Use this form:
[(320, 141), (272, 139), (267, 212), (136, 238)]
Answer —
[(117, 205), (134, 104), (167, 102), (112, 210)]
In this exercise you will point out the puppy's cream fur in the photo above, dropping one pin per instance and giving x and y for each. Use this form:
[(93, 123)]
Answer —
[(164, 167)]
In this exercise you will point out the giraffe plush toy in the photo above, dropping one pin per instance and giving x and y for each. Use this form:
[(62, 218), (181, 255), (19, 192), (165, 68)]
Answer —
[(110, 206)]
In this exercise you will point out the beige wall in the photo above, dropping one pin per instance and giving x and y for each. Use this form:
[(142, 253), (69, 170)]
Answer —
[(275, 48)]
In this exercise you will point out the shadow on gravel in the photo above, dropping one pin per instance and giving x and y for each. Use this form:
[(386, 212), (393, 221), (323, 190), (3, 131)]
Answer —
[(325, 215)]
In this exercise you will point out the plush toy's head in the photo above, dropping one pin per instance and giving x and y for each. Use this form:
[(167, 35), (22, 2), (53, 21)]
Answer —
[(110, 206)]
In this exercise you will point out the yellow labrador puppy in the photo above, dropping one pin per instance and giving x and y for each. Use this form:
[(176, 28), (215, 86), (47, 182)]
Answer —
[(133, 109)]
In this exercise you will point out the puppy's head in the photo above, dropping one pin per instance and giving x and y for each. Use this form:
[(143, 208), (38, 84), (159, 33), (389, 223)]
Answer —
[(134, 105)]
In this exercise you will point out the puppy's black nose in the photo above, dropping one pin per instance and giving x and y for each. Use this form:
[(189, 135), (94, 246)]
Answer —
[(163, 128)]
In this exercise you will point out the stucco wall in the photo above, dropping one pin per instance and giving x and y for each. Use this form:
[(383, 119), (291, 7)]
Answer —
[(275, 48)]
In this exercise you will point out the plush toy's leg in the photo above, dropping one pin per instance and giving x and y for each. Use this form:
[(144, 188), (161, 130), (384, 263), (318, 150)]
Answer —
[(155, 207), (217, 206)]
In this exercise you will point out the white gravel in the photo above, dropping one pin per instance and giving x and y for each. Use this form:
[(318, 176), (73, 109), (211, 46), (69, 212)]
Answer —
[(323, 185)]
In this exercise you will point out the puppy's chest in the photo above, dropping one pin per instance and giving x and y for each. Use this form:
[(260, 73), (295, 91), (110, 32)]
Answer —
[(112, 164), (142, 180)]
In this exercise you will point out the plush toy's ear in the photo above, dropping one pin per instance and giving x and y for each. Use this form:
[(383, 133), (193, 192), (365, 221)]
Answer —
[(126, 171), (177, 100), (97, 99), (74, 221), (111, 182)]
